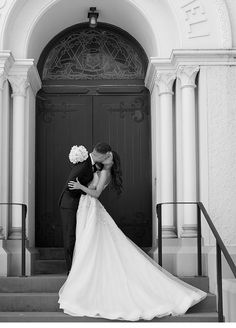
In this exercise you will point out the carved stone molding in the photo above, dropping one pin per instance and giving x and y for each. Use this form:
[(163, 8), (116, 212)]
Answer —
[(3, 79), (165, 80), (225, 26), (2, 5), (6, 61), (204, 57), (187, 75), (19, 85)]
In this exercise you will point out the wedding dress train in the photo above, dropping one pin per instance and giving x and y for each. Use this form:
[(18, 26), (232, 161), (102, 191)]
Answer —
[(113, 278)]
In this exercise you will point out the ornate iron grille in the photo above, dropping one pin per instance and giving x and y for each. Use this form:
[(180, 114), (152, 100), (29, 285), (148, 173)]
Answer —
[(94, 54)]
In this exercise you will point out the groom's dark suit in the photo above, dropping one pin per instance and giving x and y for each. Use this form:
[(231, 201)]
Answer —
[(68, 203)]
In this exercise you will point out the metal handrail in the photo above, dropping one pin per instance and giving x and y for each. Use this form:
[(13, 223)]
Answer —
[(220, 247), (218, 238), (23, 234)]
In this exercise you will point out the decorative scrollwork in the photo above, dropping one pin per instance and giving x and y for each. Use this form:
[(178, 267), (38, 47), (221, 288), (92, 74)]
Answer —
[(94, 54), (138, 109), (48, 109)]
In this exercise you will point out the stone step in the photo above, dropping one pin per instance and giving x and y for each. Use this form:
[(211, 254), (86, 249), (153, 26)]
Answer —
[(44, 283), (45, 262), (207, 305), (51, 253), (49, 266), (28, 302), (197, 281), (61, 317), (57, 253), (52, 283), (47, 302)]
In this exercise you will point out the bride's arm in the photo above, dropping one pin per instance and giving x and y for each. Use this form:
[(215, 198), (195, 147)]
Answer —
[(92, 187), (92, 192)]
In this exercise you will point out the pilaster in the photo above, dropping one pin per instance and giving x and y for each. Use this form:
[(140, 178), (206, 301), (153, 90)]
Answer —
[(164, 82), (22, 76), (2, 82), (187, 75), (6, 62)]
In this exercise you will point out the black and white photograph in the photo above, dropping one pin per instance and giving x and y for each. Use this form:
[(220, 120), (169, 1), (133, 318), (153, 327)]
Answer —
[(117, 162)]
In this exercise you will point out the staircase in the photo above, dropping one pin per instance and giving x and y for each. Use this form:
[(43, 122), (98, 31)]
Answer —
[(34, 298), (49, 261)]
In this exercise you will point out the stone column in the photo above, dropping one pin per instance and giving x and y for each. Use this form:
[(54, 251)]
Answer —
[(2, 81), (19, 85), (187, 75), (165, 82)]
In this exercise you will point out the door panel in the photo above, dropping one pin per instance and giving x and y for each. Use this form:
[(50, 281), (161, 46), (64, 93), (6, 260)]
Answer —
[(62, 121), (124, 122)]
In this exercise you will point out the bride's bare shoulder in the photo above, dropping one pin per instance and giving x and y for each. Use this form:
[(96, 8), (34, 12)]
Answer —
[(105, 175)]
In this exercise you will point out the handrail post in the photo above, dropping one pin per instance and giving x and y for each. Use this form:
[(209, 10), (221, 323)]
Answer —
[(219, 283), (23, 233), (199, 241), (159, 234)]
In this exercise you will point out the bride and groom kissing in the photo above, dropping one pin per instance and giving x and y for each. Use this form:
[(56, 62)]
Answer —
[(83, 172), (108, 275)]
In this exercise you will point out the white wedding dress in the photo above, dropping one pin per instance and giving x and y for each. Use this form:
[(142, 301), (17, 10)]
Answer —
[(113, 278)]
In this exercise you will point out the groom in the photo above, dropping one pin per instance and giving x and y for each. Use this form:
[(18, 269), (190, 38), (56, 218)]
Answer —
[(69, 199)]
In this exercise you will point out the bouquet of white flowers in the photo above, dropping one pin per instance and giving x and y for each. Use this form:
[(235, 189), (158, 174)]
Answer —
[(78, 154)]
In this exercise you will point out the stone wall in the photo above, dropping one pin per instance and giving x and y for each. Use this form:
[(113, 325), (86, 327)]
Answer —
[(231, 5), (221, 117)]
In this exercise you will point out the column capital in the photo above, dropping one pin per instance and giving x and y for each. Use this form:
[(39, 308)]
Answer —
[(6, 62), (19, 85), (24, 69), (3, 78), (187, 75), (165, 80)]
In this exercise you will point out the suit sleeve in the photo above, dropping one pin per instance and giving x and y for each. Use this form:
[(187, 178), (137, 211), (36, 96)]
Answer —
[(79, 172)]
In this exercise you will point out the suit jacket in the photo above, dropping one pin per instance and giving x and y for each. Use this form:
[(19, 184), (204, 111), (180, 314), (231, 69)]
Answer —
[(84, 172)]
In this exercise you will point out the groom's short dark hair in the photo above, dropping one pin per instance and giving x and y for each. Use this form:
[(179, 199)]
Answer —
[(102, 147)]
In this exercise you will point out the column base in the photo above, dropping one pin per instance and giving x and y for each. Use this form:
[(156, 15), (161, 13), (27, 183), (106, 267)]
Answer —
[(4, 259), (169, 232), (180, 256), (229, 299), (189, 231), (15, 233), (13, 247), (1, 234)]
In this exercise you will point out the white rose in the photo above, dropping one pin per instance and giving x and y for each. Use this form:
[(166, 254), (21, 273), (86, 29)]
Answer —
[(78, 154)]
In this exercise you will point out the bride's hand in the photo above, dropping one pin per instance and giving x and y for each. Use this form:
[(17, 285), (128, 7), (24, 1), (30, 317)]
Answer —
[(74, 185)]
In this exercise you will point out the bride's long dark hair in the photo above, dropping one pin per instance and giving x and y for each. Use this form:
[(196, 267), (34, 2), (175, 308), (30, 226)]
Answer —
[(116, 174)]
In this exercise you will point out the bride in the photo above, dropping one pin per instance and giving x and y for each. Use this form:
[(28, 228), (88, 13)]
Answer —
[(111, 277)]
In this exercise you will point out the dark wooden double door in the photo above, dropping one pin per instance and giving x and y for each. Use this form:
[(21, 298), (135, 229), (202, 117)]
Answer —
[(123, 121)]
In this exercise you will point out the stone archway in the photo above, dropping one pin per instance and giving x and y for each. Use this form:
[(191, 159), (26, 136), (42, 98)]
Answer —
[(164, 25)]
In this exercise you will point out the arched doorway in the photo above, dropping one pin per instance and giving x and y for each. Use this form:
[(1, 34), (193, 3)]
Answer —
[(93, 90)]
